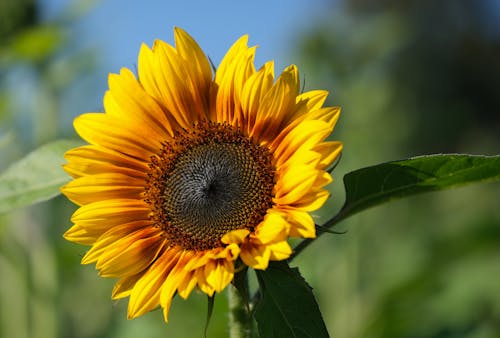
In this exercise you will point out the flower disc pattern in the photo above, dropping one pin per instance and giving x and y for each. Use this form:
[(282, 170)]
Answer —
[(208, 182)]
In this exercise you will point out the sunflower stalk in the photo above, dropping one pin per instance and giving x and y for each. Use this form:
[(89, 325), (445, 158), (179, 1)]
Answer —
[(240, 317)]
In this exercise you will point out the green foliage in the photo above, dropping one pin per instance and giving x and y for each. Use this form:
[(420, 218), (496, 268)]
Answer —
[(35, 178), (377, 184), (37, 44), (454, 294), (15, 15), (288, 307)]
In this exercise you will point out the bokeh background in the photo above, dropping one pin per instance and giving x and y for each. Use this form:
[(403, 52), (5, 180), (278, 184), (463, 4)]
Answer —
[(413, 77)]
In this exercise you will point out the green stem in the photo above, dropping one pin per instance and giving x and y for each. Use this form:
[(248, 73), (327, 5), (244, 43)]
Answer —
[(240, 318)]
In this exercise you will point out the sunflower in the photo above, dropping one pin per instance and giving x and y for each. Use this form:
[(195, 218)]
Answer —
[(189, 174)]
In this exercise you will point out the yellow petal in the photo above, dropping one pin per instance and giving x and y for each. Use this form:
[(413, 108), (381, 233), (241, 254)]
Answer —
[(91, 159), (164, 75), (280, 251), (103, 215), (306, 135), (239, 47), (291, 80), (114, 235), (174, 280), (127, 100), (198, 260), (130, 257), (219, 274), (147, 70), (254, 90), (175, 85), (103, 130), (277, 106), (326, 117), (302, 224), (302, 157), (311, 201), (314, 98), (330, 115), (145, 295), (234, 70), (201, 71), (187, 284), (295, 183), (322, 180), (235, 236), (230, 252), (202, 282), (274, 228), (329, 152), (81, 235), (255, 256), (92, 188), (124, 286)]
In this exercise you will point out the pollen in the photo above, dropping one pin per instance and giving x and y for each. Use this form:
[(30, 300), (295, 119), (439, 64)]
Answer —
[(208, 181)]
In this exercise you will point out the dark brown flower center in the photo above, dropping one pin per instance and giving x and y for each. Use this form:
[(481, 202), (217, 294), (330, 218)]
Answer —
[(208, 181)]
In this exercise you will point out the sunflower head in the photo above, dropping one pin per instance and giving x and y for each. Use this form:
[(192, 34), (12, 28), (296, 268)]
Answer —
[(188, 172)]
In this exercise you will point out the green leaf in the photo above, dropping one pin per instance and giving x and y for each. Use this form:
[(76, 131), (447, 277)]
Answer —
[(287, 308), (35, 178), (375, 185)]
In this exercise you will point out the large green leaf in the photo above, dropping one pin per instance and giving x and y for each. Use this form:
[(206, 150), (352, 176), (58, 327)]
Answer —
[(287, 308), (375, 185), (35, 178)]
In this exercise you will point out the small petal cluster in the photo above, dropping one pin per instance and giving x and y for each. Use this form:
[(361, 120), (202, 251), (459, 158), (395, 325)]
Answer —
[(188, 173)]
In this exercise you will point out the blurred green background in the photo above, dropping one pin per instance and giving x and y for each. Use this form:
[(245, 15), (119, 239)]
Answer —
[(413, 77)]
